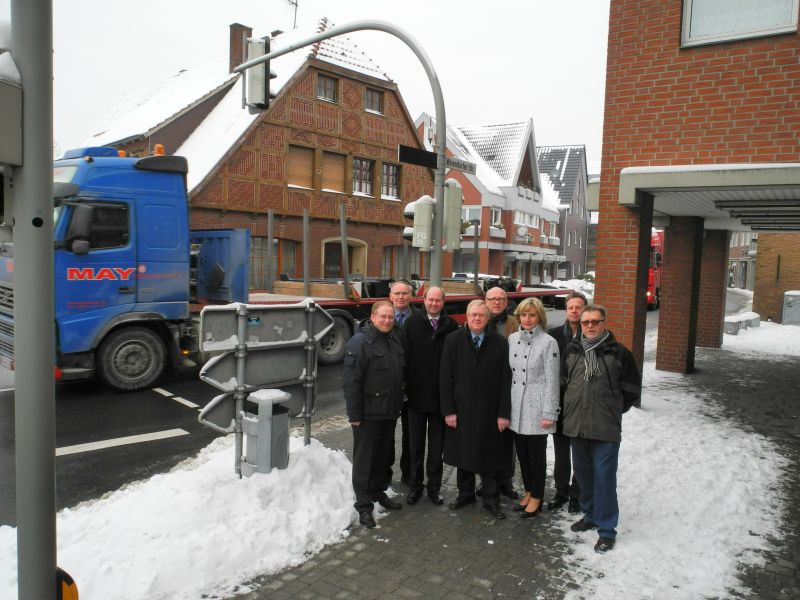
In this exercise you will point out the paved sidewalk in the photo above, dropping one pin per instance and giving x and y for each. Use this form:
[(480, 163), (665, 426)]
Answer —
[(427, 551)]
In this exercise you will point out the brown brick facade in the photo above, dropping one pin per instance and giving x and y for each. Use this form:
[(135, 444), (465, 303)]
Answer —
[(732, 102), (253, 178), (777, 272)]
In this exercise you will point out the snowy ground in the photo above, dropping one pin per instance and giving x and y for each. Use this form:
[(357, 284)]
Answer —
[(198, 529)]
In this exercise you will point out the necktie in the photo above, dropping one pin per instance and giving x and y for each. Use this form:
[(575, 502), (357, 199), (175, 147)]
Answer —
[(400, 319), (434, 324), (477, 341)]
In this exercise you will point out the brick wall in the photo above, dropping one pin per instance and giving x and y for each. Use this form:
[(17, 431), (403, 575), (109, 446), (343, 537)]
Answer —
[(664, 105), (252, 179), (713, 284), (777, 271)]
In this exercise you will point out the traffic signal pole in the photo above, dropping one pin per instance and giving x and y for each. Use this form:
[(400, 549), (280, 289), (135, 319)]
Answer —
[(438, 101), (34, 334)]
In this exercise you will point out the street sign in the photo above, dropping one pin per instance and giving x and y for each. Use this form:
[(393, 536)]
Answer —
[(416, 156), (459, 165)]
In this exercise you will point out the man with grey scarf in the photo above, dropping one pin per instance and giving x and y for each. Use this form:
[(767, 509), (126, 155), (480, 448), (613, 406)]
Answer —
[(601, 382)]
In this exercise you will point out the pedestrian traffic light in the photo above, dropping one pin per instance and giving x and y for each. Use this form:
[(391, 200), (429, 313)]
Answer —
[(452, 215), (423, 223), (258, 94)]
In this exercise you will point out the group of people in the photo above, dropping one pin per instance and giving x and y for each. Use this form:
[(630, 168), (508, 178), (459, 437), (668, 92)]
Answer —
[(476, 396)]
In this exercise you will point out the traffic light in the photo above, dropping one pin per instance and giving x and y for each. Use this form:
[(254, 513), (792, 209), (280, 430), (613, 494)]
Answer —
[(452, 215), (423, 223), (258, 94)]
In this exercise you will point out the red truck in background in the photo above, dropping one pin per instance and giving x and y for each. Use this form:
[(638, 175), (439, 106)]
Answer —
[(654, 272)]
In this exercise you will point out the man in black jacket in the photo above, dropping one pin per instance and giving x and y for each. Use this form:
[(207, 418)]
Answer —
[(562, 470), (373, 391), (602, 382), (475, 391), (423, 341), (400, 294)]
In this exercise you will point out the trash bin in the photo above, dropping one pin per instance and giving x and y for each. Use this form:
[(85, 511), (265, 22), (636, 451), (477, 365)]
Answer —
[(266, 432), (791, 308)]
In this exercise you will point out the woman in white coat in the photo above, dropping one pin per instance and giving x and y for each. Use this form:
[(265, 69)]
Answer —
[(534, 360)]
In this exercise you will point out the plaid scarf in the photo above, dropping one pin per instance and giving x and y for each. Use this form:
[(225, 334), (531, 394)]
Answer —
[(591, 366)]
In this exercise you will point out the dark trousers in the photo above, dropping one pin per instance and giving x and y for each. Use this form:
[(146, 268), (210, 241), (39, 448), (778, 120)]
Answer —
[(466, 486), (532, 453), (372, 449), (595, 465), (405, 454), (562, 470), (422, 426), (505, 477)]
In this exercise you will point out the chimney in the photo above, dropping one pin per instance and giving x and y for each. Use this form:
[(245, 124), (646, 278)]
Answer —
[(238, 48)]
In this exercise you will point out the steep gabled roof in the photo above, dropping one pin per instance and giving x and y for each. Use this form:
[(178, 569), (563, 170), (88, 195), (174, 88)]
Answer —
[(501, 146), (561, 165), (142, 112)]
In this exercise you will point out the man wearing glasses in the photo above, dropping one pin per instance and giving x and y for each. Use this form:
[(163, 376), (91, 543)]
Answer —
[(505, 323), (601, 382)]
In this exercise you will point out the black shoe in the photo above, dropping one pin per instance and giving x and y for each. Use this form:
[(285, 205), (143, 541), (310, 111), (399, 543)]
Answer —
[(390, 504), (461, 502), (574, 506), (494, 511), (582, 525), (509, 492), (367, 520), (413, 497), (529, 514), (603, 545), (557, 502), (435, 498)]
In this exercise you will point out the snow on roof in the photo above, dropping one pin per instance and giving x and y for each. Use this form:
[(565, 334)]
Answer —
[(8, 68), (215, 135), (550, 198), (142, 110), (501, 146), (561, 165)]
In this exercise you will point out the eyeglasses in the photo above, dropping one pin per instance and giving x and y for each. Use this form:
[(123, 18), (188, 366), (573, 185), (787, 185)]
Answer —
[(496, 299), (592, 322)]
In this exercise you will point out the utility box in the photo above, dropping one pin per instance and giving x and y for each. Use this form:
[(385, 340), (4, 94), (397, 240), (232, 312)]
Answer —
[(11, 115), (791, 308), (266, 432)]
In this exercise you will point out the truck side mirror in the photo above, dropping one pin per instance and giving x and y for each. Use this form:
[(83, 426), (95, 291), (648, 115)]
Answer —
[(80, 247), (80, 228)]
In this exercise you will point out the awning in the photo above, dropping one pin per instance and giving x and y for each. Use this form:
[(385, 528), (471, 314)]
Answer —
[(735, 197)]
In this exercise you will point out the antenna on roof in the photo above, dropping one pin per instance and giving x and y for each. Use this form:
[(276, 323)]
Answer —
[(294, 3)]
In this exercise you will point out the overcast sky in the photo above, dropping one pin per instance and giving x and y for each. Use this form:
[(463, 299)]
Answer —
[(498, 62)]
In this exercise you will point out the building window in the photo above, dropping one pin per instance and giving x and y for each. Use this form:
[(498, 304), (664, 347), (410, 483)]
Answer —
[(363, 171), (300, 167), (709, 21), (284, 260), (554, 229), (472, 213), (373, 101), (581, 243), (497, 216), (390, 181), (569, 239), (333, 172), (326, 88), (536, 221)]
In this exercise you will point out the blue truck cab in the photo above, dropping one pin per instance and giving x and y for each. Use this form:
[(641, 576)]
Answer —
[(124, 265)]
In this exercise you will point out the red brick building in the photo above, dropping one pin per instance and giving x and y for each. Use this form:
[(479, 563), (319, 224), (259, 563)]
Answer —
[(702, 137), (328, 140)]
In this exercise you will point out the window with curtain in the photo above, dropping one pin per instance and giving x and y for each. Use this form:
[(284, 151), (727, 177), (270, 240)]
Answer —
[(363, 170), (390, 180), (373, 100), (326, 88), (709, 21)]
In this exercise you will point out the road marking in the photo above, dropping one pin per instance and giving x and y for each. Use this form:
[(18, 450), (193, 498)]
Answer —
[(185, 402), (162, 392), (122, 441)]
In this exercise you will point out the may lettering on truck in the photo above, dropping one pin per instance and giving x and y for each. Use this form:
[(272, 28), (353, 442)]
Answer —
[(103, 273)]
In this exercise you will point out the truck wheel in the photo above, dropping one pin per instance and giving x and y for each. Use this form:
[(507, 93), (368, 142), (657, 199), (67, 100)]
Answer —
[(333, 345), (130, 359)]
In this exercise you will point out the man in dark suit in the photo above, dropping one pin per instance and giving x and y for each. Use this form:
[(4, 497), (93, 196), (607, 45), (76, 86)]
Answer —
[(423, 342)]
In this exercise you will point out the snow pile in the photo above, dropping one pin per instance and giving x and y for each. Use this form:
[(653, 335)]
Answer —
[(688, 482), (199, 530), (769, 338)]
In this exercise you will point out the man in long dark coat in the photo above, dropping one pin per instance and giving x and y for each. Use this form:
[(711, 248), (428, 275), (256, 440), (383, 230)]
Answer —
[(423, 341), (475, 391)]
